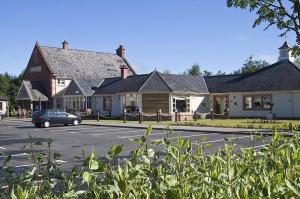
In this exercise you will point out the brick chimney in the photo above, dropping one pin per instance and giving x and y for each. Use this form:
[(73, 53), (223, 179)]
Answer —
[(124, 72), (120, 51), (65, 45)]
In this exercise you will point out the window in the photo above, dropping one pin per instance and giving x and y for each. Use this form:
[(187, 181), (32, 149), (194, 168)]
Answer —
[(35, 69), (258, 102), (131, 102), (107, 103), (1, 106), (60, 82), (181, 104)]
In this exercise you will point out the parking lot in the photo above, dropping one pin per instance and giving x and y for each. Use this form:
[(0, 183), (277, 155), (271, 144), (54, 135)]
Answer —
[(69, 141)]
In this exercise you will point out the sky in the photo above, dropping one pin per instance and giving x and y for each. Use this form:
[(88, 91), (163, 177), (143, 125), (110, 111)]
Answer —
[(166, 35)]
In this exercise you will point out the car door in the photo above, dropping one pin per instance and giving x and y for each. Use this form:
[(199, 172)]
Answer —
[(53, 117), (63, 117)]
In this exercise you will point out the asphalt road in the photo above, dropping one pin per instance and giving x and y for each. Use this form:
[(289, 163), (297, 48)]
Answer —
[(69, 141)]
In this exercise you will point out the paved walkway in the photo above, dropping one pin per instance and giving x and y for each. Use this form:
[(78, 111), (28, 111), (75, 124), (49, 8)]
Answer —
[(178, 128)]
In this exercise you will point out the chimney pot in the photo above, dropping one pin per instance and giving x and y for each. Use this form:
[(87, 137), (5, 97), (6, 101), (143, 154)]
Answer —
[(120, 51), (65, 45), (124, 72)]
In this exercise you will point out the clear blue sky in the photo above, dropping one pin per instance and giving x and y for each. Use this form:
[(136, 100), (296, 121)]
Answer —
[(168, 34)]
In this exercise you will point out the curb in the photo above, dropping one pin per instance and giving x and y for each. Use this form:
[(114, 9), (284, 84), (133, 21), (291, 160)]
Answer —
[(248, 131)]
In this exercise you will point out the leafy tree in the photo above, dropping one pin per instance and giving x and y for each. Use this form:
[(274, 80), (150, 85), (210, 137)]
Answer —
[(194, 70), (220, 73), (207, 73), (166, 71), (251, 65), (285, 15)]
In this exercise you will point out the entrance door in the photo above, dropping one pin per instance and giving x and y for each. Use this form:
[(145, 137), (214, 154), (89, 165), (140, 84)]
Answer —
[(220, 104)]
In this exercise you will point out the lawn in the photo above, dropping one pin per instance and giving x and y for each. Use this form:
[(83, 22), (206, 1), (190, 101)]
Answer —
[(233, 123)]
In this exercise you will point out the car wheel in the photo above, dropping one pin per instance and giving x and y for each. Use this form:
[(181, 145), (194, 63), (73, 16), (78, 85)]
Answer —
[(75, 122), (46, 124)]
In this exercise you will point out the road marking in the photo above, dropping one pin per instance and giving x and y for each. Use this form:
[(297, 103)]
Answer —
[(140, 135), (24, 165), (258, 146), (72, 132), (85, 128), (220, 140), (15, 155), (60, 161), (3, 148), (187, 136), (117, 133)]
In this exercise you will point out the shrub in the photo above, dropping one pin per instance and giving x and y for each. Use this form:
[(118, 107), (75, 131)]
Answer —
[(183, 171)]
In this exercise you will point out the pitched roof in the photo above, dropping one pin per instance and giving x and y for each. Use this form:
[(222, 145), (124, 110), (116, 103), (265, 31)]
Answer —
[(153, 82), (119, 85), (80, 86), (70, 63), (32, 90), (280, 76), (185, 83)]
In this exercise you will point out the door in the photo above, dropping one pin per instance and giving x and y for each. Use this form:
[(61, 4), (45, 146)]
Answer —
[(220, 104)]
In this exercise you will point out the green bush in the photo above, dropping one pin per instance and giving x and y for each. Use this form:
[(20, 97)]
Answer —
[(184, 171)]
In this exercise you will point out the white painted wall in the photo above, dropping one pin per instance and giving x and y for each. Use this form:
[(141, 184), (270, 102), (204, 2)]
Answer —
[(286, 105), (4, 106), (60, 87), (199, 103), (97, 105)]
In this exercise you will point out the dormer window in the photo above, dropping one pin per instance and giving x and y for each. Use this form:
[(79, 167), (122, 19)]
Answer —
[(60, 82)]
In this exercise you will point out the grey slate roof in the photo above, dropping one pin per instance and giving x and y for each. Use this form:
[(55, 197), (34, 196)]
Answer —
[(119, 85), (71, 63), (153, 82), (82, 87), (32, 90), (280, 76), (185, 83)]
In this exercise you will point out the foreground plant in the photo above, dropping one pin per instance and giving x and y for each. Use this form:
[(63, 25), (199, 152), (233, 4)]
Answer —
[(168, 168)]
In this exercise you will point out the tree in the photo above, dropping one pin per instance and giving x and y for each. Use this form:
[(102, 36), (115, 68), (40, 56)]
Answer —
[(207, 73), (285, 15), (220, 73), (166, 71), (251, 65), (194, 70)]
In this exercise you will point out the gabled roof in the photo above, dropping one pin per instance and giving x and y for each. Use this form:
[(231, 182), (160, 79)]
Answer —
[(280, 76), (153, 82), (69, 63), (80, 86), (32, 90), (119, 85)]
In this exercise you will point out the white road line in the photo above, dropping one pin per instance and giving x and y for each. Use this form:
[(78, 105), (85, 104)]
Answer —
[(187, 136), (15, 155), (24, 165), (85, 129), (3, 148), (72, 132), (258, 146), (220, 140), (140, 135), (116, 133), (60, 161)]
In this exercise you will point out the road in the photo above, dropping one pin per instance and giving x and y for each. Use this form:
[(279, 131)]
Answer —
[(69, 141)]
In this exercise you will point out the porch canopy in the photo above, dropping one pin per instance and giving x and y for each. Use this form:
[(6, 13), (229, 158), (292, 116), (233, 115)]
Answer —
[(32, 94)]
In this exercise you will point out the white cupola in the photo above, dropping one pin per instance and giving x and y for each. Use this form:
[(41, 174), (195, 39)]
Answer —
[(284, 52)]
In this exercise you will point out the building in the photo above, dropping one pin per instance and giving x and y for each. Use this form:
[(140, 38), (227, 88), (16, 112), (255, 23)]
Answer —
[(273, 91), (50, 71), (4, 104)]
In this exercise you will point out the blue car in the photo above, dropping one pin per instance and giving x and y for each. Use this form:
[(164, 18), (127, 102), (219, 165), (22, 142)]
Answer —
[(46, 117)]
